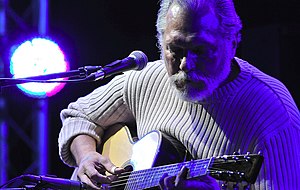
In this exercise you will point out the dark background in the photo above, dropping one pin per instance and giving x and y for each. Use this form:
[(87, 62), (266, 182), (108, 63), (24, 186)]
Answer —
[(98, 32)]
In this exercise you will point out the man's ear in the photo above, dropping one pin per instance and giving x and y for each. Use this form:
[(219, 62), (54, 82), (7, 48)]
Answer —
[(236, 40), (234, 43)]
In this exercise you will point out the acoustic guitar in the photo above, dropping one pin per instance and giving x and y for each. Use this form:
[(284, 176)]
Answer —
[(149, 158)]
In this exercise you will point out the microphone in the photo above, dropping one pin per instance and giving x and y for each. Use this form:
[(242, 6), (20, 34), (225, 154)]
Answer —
[(57, 183), (137, 60)]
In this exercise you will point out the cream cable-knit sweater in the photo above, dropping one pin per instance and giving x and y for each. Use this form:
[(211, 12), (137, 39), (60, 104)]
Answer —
[(253, 113)]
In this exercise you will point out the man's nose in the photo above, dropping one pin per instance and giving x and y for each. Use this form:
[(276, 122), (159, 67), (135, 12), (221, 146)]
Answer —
[(183, 65), (187, 62)]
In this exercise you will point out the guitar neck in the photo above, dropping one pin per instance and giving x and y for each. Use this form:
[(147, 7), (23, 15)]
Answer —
[(147, 178)]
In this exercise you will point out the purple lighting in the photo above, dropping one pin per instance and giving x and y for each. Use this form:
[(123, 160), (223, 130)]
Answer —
[(38, 56)]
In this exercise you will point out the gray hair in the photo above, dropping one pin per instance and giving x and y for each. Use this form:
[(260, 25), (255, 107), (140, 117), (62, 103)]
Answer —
[(230, 23)]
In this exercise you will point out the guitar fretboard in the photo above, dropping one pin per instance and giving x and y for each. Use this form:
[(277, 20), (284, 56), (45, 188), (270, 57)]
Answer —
[(143, 179)]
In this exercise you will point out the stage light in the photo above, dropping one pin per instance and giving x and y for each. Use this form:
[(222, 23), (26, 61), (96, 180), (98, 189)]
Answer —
[(34, 57)]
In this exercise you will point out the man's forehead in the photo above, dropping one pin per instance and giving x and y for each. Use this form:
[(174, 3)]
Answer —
[(203, 19)]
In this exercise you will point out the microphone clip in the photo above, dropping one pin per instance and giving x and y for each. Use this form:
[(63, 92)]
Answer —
[(87, 70)]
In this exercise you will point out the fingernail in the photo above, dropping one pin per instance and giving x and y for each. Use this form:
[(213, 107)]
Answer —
[(114, 169)]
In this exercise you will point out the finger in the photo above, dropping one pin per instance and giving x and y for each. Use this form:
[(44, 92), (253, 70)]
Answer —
[(100, 169), (94, 175), (169, 182), (111, 168), (85, 179), (112, 177), (116, 170), (161, 181), (181, 175)]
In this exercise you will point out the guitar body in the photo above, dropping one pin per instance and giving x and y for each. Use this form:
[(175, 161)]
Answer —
[(154, 149)]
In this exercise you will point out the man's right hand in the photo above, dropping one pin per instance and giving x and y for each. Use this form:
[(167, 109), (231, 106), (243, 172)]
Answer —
[(92, 166)]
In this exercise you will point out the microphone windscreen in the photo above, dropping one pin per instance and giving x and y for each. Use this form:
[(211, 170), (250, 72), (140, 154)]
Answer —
[(140, 58)]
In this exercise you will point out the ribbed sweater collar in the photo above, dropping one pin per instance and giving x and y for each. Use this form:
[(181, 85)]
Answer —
[(232, 87)]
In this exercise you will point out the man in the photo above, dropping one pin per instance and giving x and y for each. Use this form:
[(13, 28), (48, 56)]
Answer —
[(200, 94)]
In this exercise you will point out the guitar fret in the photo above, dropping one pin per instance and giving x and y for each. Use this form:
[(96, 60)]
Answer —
[(150, 177)]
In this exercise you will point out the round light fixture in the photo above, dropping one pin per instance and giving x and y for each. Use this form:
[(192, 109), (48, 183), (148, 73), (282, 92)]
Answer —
[(34, 57)]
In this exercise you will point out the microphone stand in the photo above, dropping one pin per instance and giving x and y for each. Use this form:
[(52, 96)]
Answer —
[(83, 73)]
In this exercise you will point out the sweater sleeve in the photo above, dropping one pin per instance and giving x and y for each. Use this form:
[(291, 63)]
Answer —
[(281, 164), (280, 149), (92, 115)]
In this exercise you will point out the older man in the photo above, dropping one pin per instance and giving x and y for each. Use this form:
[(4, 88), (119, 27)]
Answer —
[(200, 94)]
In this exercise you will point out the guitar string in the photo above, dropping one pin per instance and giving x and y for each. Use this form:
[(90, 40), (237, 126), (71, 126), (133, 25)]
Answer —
[(122, 182), (127, 174)]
